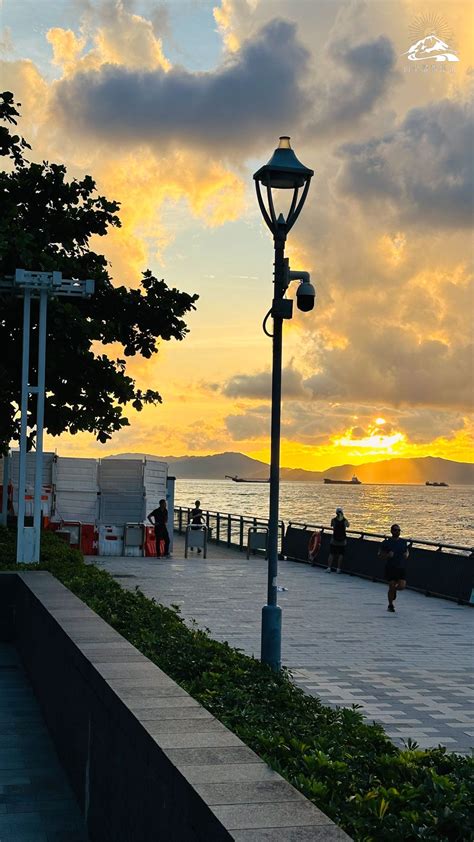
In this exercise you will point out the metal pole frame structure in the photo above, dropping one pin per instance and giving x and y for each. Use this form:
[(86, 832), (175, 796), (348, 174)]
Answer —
[(282, 171), (41, 285), (6, 483)]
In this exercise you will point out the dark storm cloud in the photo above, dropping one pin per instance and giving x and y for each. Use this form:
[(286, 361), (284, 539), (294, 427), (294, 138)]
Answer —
[(233, 107), (423, 171), (360, 77)]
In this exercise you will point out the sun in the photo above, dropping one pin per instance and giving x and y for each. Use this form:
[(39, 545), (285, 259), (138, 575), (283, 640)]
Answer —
[(372, 442)]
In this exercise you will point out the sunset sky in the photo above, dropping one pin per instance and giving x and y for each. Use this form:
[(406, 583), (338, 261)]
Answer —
[(171, 107)]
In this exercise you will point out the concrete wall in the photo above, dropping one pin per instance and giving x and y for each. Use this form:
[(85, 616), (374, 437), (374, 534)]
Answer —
[(145, 760)]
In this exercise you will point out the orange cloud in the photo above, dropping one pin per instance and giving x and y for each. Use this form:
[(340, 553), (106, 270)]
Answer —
[(223, 16), (122, 38)]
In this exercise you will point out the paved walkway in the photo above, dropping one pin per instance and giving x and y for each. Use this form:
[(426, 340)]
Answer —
[(36, 802), (411, 671)]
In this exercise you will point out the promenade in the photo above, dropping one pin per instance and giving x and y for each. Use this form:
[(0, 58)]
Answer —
[(412, 671)]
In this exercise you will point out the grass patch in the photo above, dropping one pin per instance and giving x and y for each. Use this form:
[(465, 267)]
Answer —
[(349, 769)]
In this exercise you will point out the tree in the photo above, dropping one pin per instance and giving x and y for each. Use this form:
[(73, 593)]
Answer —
[(46, 223)]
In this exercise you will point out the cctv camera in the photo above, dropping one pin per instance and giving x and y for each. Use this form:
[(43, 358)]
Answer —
[(305, 296)]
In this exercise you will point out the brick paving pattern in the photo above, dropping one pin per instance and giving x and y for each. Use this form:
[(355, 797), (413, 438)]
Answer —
[(412, 671), (36, 802)]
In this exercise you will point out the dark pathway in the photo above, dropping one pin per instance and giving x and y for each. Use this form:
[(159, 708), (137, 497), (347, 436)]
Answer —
[(36, 802)]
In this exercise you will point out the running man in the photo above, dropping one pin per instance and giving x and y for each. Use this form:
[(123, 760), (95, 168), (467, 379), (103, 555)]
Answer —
[(337, 547), (394, 551)]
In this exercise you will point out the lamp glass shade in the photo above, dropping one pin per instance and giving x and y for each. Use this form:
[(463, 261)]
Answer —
[(284, 171)]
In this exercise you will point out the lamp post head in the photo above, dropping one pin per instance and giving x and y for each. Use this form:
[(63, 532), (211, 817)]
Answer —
[(283, 172)]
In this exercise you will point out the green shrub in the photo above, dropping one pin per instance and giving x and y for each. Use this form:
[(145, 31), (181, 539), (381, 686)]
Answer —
[(349, 769)]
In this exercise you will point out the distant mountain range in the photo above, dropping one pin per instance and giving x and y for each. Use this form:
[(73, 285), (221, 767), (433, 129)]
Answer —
[(417, 470)]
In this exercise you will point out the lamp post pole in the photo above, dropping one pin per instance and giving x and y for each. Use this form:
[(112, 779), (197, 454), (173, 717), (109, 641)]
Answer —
[(283, 172), (271, 612)]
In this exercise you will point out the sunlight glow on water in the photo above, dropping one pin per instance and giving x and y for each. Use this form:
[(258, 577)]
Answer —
[(435, 514)]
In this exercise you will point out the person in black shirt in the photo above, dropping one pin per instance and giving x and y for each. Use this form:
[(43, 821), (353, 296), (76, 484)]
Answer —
[(159, 518), (196, 517), (394, 551)]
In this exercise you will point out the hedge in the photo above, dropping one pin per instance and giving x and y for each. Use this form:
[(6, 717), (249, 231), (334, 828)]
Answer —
[(349, 769)]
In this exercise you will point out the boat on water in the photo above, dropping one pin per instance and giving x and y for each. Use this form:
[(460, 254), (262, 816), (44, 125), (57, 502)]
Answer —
[(353, 481), (241, 479), (437, 484)]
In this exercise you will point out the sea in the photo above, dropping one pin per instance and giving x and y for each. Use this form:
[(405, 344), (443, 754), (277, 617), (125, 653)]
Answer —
[(423, 512)]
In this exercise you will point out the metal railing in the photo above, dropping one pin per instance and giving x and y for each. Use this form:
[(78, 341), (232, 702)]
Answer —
[(439, 546), (232, 530), (225, 527)]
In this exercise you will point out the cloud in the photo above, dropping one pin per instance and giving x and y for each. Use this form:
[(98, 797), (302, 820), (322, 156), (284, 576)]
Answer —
[(259, 386), (422, 172), (424, 425), (391, 364), (210, 192), (254, 424), (359, 77), (232, 109), (320, 423), (111, 34)]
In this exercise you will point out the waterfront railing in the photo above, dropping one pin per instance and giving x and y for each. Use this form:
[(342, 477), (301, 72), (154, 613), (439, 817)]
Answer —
[(438, 546), (226, 528), (232, 530)]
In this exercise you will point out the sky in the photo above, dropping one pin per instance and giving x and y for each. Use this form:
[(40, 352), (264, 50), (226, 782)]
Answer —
[(171, 107)]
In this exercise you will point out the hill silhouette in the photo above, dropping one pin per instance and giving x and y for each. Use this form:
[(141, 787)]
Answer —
[(404, 471)]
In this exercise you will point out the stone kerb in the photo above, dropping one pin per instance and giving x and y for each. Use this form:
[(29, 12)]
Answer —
[(146, 761)]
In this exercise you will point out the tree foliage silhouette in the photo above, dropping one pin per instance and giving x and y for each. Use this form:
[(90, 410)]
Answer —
[(46, 224)]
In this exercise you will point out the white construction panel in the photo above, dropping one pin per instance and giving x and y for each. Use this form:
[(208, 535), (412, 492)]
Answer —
[(77, 505), (30, 468), (71, 474), (121, 475), (155, 475), (126, 507)]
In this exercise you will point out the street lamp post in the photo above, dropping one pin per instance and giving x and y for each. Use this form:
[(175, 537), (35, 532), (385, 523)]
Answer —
[(283, 172), (41, 285)]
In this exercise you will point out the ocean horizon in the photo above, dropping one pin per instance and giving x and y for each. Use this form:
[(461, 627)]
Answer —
[(423, 512)]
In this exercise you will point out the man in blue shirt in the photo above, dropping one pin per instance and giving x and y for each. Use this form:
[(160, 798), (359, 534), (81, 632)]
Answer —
[(394, 551)]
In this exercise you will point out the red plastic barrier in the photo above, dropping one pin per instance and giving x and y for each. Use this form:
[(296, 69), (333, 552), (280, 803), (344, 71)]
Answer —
[(9, 498), (150, 542), (89, 536), (89, 539)]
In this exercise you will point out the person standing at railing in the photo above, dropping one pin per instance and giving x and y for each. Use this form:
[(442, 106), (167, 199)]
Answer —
[(394, 551), (337, 548), (196, 518), (159, 518)]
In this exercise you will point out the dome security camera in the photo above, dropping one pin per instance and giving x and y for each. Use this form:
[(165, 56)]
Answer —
[(305, 296)]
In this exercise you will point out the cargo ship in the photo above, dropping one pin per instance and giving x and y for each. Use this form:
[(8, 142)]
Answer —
[(241, 479), (437, 484), (353, 481)]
